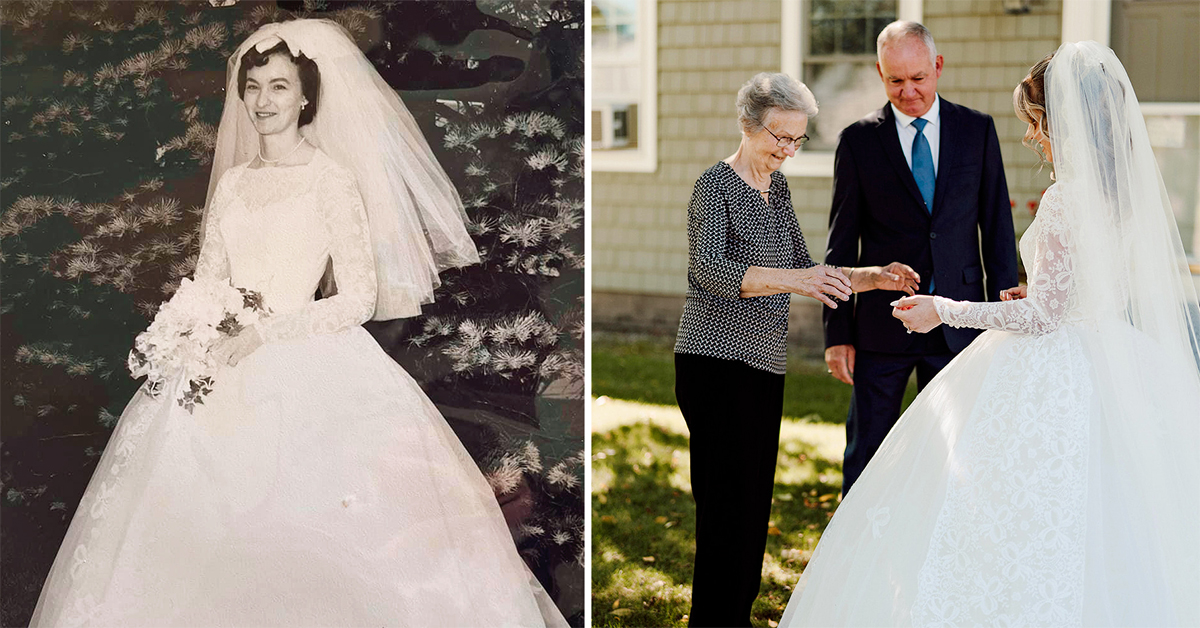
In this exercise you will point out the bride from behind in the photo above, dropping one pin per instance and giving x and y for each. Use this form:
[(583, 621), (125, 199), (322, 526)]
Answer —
[(315, 483), (1047, 477)]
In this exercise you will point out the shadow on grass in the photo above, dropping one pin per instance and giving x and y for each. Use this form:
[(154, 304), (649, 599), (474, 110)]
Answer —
[(643, 520), (643, 369)]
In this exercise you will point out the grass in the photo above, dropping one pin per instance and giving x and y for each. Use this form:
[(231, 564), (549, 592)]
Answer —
[(643, 369), (642, 510)]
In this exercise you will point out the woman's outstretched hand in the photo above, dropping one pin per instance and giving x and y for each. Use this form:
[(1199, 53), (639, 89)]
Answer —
[(823, 283), (917, 313)]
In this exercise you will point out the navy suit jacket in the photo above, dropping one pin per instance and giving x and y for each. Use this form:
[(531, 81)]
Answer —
[(879, 217)]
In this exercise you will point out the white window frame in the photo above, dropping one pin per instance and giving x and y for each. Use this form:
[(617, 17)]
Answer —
[(644, 158), (819, 163)]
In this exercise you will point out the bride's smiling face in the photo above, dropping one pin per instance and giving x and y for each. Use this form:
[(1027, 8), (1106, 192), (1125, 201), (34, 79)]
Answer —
[(274, 96)]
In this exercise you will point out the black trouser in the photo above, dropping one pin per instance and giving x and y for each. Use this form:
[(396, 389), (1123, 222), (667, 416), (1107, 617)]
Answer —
[(733, 412), (879, 383)]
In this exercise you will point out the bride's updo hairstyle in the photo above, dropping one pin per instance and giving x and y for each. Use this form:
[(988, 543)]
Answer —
[(310, 77), (1029, 100)]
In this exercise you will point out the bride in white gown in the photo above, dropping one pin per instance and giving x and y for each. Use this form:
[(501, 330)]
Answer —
[(316, 485), (1048, 476)]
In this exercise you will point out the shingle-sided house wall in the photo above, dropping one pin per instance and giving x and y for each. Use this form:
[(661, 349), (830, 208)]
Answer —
[(705, 51)]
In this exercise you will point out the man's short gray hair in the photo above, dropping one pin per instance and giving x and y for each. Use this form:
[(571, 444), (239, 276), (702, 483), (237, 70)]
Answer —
[(766, 91), (900, 30)]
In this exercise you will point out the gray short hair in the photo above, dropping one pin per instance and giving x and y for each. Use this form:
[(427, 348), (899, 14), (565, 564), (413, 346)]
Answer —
[(900, 30), (766, 91)]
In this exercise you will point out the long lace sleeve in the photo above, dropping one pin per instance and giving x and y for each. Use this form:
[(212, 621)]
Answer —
[(213, 262), (353, 268), (1050, 283)]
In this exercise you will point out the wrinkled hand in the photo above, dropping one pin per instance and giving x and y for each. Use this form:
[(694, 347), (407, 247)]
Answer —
[(898, 277), (821, 283), (1013, 294), (231, 350), (917, 313), (840, 359)]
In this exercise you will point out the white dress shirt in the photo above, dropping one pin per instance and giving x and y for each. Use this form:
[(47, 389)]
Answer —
[(908, 132)]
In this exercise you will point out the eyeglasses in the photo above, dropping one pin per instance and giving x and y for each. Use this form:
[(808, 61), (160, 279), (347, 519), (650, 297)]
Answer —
[(782, 142)]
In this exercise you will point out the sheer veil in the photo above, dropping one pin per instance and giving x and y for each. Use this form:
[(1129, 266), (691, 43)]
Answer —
[(1130, 263), (416, 218), (1134, 292)]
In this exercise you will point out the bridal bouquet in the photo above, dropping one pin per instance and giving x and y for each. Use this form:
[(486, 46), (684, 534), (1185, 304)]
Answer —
[(176, 345)]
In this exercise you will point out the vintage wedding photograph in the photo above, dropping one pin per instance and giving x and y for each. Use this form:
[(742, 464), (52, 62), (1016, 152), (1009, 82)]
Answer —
[(894, 313), (293, 313)]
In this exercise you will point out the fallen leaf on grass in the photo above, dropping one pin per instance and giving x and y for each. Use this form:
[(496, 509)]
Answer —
[(773, 531), (608, 519), (617, 603), (826, 497), (621, 612), (772, 623), (660, 519), (648, 559)]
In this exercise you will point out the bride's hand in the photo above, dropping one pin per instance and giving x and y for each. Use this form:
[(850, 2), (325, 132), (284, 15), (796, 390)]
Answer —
[(1012, 294), (231, 350), (917, 313)]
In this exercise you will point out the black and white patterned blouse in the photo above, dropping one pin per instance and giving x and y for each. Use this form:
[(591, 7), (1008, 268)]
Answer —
[(730, 229)]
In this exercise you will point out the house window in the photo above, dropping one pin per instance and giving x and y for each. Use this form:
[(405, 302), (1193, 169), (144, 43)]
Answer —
[(830, 46), (624, 85), (1155, 41)]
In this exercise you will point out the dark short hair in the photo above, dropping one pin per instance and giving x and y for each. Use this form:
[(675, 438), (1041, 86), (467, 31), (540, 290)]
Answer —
[(310, 77)]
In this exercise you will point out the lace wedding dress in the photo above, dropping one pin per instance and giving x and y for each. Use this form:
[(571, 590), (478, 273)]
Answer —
[(1013, 492), (316, 485)]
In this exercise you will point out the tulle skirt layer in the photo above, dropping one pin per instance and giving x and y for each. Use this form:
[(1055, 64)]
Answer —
[(1037, 481), (316, 485)]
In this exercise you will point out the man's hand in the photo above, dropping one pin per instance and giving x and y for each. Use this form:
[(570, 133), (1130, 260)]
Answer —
[(1012, 294), (898, 277), (840, 359)]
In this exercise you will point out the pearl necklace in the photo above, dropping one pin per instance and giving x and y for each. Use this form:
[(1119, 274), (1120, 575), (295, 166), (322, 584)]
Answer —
[(275, 161)]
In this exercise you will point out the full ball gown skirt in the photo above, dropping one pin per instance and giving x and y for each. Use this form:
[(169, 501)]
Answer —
[(316, 486), (1021, 488)]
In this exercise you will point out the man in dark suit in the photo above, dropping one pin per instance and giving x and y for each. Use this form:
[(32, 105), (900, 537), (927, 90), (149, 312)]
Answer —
[(919, 181)]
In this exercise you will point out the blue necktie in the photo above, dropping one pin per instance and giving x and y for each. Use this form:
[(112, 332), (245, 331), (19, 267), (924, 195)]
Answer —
[(922, 164), (922, 169)]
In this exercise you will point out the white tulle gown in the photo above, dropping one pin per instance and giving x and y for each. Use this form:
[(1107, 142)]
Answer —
[(1024, 487), (317, 485)]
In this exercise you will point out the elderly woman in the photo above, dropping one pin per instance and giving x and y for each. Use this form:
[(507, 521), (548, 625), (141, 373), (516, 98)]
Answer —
[(746, 257)]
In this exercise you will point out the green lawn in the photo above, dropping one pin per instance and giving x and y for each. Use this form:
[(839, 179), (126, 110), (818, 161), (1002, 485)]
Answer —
[(642, 510), (643, 369)]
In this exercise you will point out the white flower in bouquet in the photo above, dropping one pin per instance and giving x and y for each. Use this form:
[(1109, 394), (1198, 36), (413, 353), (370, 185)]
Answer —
[(176, 347)]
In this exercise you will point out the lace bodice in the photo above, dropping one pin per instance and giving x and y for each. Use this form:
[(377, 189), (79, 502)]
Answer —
[(274, 230), (1049, 298)]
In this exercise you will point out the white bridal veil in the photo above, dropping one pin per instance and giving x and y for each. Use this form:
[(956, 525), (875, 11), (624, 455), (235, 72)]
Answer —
[(1132, 279), (416, 217), (1129, 260)]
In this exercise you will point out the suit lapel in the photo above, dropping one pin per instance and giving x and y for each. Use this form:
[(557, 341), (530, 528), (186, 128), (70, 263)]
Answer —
[(948, 121), (891, 147)]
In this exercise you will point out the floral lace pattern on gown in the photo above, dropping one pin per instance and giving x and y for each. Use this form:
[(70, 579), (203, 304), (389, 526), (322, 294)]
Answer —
[(1008, 545)]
